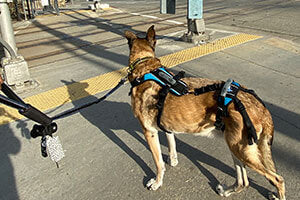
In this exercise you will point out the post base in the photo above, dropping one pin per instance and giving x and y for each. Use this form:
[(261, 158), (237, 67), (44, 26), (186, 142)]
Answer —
[(196, 32), (197, 39), (15, 70)]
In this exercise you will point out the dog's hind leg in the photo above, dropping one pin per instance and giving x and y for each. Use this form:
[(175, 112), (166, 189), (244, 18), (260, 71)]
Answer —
[(275, 179), (172, 149), (258, 157), (241, 180), (266, 167), (154, 145)]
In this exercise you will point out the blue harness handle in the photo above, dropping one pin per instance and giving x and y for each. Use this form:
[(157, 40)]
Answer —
[(164, 78)]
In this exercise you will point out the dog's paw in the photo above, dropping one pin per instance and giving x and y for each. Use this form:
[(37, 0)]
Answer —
[(153, 184), (273, 196), (173, 161), (222, 191)]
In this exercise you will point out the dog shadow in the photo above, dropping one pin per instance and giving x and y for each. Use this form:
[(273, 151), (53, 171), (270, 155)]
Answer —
[(108, 116)]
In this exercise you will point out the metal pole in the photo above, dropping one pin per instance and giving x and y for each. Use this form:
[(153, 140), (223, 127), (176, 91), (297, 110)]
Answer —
[(195, 9), (32, 10), (23, 6), (28, 9), (15, 68), (17, 10), (167, 6), (56, 7), (196, 26), (6, 27)]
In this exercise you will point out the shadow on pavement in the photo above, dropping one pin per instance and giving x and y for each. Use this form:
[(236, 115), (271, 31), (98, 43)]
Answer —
[(291, 118), (9, 145), (66, 43), (286, 122), (113, 120)]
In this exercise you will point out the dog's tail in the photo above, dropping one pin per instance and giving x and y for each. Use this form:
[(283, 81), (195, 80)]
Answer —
[(265, 145)]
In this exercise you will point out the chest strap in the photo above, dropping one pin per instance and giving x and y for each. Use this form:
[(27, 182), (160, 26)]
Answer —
[(160, 106)]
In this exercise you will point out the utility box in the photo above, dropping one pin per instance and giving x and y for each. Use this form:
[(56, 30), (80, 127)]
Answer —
[(167, 6), (15, 70)]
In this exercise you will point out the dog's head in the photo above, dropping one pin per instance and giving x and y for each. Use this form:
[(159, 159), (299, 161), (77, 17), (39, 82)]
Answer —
[(141, 47)]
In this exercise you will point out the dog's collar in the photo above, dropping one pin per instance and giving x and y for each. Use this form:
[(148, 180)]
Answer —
[(138, 61)]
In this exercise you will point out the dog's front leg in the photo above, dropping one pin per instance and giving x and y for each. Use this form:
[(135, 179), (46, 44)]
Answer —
[(153, 142), (172, 149)]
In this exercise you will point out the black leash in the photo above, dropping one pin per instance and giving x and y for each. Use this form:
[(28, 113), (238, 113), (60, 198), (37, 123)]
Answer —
[(73, 110), (46, 125)]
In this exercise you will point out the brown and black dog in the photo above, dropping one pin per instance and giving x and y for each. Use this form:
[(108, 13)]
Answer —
[(199, 119)]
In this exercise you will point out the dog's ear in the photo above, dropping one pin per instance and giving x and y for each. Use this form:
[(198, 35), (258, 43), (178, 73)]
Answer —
[(151, 36), (130, 36)]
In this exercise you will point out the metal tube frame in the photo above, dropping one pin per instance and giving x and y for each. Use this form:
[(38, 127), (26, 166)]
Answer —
[(12, 103), (6, 27), (12, 52)]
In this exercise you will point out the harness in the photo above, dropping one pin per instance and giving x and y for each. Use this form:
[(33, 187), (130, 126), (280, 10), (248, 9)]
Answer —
[(164, 79), (228, 94), (168, 82)]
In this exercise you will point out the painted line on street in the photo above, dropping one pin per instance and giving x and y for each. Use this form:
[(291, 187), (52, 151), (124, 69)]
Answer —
[(155, 17), (66, 94)]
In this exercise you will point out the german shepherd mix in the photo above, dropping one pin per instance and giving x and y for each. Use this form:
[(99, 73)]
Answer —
[(196, 115)]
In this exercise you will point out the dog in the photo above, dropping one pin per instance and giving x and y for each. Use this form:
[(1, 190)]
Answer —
[(199, 119)]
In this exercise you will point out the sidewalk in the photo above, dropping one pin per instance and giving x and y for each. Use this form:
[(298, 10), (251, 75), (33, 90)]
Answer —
[(106, 154)]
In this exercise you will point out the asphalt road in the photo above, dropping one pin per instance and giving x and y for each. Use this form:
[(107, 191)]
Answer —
[(274, 17)]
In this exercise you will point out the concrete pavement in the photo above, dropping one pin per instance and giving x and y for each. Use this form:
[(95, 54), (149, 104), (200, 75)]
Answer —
[(106, 154)]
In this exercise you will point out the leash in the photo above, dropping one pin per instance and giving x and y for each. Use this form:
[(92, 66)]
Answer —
[(73, 110), (46, 125)]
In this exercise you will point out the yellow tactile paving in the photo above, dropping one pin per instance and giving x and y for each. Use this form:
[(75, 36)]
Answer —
[(56, 97), (176, 58)]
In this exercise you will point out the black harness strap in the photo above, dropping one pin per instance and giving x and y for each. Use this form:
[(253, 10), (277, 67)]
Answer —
[(229, 94), (224, 101), (208, 88), (251, 130), (254, 94), (160, 106)]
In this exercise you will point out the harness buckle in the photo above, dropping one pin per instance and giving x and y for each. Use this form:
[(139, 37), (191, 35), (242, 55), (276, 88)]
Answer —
[(219, 124), (226, 88)]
